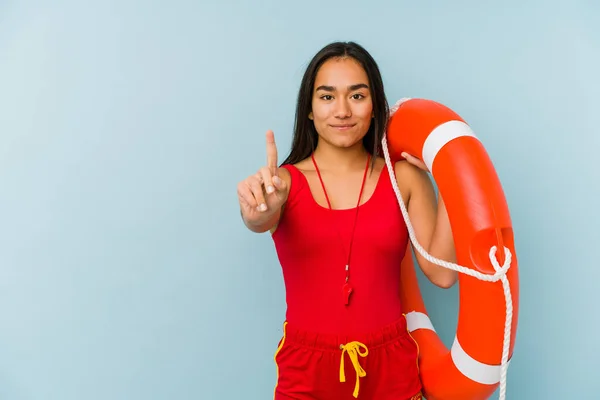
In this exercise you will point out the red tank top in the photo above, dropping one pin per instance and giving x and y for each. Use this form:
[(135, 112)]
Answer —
[(313, 259)]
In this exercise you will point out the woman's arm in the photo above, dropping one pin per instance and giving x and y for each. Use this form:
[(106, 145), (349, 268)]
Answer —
[(430, 221)]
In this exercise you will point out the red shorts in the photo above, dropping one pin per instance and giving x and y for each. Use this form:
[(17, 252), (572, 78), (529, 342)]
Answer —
[(381, 365)]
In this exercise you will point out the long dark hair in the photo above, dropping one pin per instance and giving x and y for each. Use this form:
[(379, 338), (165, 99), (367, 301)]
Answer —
[(305, 137)]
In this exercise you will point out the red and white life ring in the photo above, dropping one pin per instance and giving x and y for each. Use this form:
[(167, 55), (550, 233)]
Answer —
[(483, 235)]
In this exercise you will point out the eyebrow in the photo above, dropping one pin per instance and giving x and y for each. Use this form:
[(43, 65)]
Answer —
[(350, 88)]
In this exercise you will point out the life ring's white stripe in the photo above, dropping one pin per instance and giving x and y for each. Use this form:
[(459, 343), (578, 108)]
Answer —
[(417, 320), (440, 136), (471, 368)]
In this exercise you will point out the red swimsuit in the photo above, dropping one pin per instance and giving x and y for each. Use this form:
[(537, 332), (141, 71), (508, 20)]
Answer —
[(321, 330)]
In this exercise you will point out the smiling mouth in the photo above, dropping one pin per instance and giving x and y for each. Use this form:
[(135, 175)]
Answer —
[(346, 126)]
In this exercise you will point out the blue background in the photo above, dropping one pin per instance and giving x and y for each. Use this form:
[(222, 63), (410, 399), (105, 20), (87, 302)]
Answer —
[(125, 271)]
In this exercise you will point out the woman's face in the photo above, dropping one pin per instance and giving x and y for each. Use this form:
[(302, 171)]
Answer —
[(342, 107)]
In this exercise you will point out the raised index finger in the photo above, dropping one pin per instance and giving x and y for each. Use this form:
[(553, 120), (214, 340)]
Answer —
[(271, 152)]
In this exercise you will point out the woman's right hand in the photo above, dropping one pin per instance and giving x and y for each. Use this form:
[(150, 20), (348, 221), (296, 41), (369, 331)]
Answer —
[(262, 194)]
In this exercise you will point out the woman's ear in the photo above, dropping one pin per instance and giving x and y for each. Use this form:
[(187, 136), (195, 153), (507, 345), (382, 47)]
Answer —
[(310, 115)]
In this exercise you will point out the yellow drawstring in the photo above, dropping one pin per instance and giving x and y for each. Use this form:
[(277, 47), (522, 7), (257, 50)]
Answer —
[(353, 350)]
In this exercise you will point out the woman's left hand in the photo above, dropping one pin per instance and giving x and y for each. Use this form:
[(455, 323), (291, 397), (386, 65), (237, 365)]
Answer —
[(415, 161)]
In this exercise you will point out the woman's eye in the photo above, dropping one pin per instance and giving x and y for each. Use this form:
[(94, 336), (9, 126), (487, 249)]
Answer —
[(357, 96), (326, 97)]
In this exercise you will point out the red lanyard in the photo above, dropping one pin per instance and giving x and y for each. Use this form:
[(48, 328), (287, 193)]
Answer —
[(346, 288)]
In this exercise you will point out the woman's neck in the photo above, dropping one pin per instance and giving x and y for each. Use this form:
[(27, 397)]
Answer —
[(338, 159)]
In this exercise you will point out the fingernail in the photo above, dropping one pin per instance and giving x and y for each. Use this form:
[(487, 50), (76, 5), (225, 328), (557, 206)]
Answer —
[(262, 207), (277, 180), (270, 189)]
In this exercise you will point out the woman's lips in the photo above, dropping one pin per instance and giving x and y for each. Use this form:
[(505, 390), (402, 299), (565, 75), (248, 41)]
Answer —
[(343, 127)]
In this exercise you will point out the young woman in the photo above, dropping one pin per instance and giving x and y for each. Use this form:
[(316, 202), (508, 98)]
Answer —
[(340, 237)]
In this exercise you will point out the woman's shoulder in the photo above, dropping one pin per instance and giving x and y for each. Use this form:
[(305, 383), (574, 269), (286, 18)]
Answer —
[(295, 171), (409, 176), (285, 172), (294, 176), (406, 170), (303, 166)]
